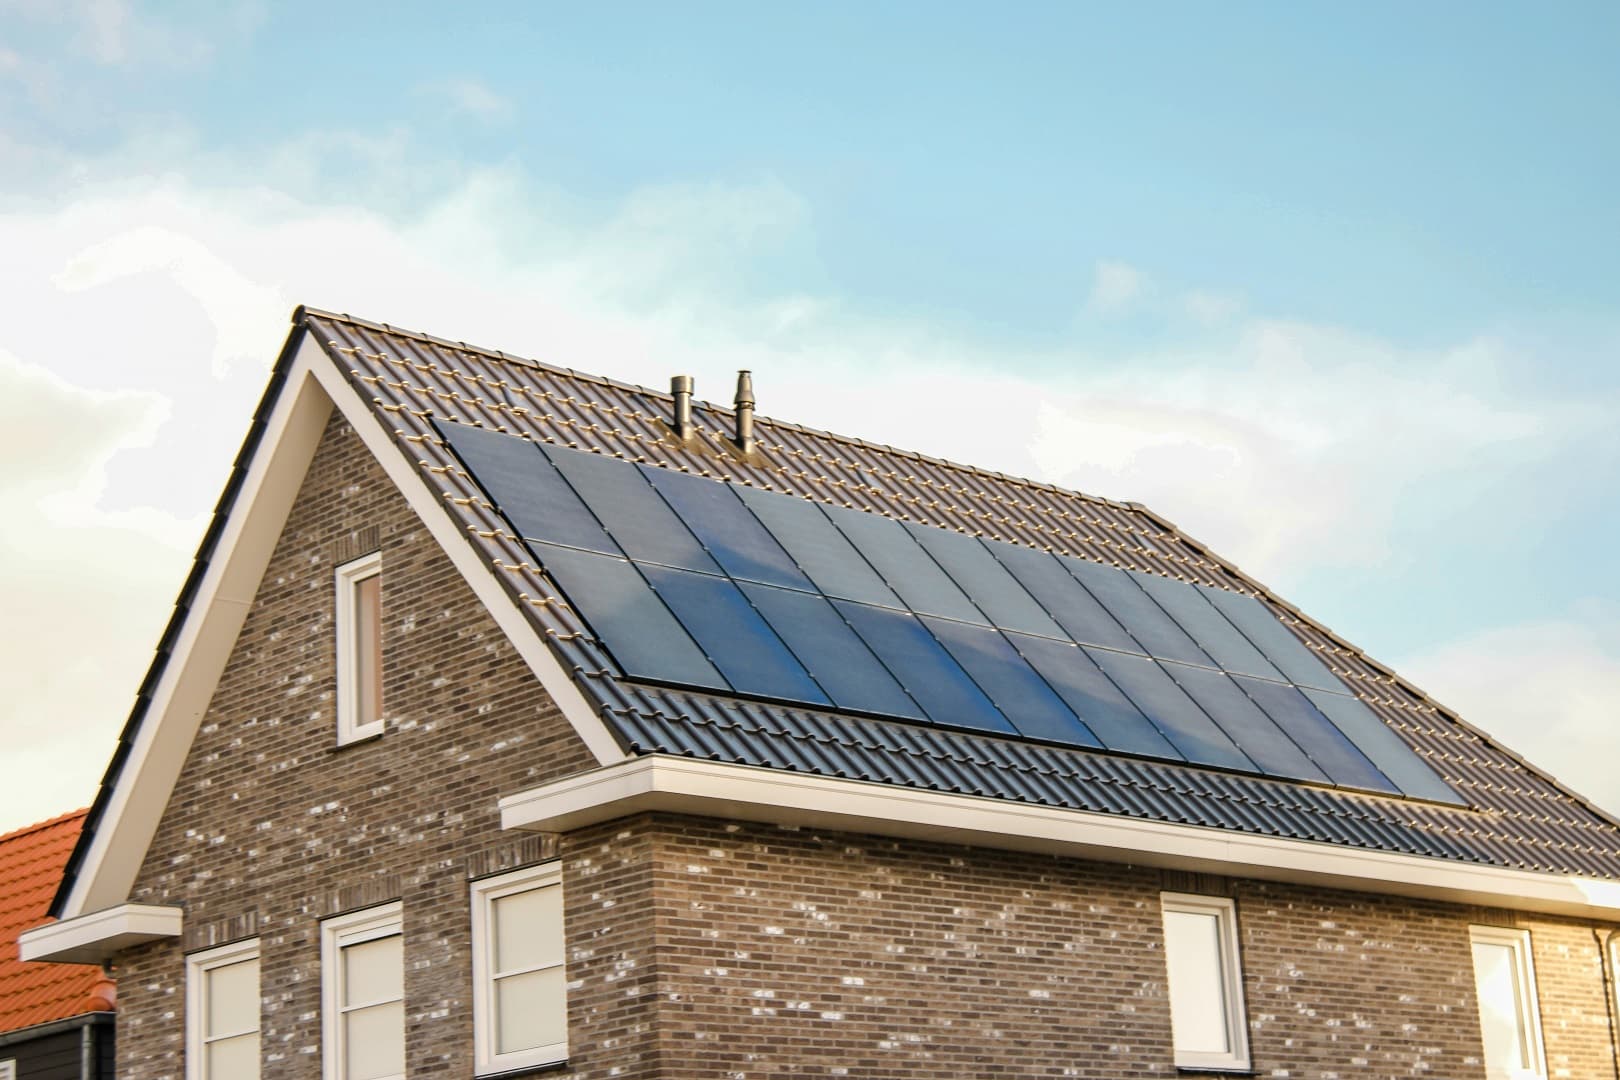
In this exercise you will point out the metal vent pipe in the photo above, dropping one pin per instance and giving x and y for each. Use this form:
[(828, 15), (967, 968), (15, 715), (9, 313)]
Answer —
[(681, 387), (745, 412)]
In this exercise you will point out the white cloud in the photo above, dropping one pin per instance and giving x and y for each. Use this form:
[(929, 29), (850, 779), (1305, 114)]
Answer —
[(1211, 308), (470, 97), (1545, 689), (1115, 286), (1286, 445), (115, 33), (1292, 447)]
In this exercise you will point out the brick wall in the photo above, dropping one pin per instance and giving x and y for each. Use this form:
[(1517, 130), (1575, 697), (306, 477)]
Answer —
[(699, 948), (271, 827)]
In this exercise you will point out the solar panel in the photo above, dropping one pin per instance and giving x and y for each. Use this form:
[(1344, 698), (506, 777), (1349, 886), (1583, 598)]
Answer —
[(987, 583), (1285, 651), (695, 582), (627, 617), (1261, 741), (734, 537), (1157, 633), (1010, 683), (1382, 746), (1193, 734), (832, 652), (924, 668), (903, 565), (1095, 700), (527, 488), (622, 500), (1068, 602), (1203, 622), (1328, 746), (819, 548), (721, 620)]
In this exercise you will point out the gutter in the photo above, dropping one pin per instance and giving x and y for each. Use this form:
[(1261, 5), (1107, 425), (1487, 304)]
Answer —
[(56, 1027)]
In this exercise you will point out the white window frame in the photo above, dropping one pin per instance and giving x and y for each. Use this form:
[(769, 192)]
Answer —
[(1236, 1018), (484, 894), (198, 967), (350, 727), (8, 1069), (337, 934), (1524, 973)]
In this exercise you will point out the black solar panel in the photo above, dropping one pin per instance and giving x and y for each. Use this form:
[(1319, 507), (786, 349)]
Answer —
[(622, 500), (924, 668), (526, 488), (691, 581), (904, 566), (628, 617), (1007, 679), (834, 654), (818, 548), (987, 583), (735, 538)]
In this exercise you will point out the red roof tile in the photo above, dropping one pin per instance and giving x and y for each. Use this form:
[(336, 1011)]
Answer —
[(31, 862)]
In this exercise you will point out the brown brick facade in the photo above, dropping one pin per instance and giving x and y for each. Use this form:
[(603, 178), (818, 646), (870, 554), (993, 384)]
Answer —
[(699, 948)]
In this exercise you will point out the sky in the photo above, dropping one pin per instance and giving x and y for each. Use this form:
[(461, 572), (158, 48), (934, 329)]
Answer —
[(1335, 290)]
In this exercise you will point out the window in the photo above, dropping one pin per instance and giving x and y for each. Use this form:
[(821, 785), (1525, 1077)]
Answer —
[(1509, 1018), (359, 648), (363, 995), (8, 1069), (1206, 983), (222, 1013), (520, 1007)]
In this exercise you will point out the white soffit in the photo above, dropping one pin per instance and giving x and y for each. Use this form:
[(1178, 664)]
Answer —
[(93, 938), (751, 793)]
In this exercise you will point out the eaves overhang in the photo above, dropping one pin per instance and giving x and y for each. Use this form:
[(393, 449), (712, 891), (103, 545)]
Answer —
[(95, 938), (773, 796)]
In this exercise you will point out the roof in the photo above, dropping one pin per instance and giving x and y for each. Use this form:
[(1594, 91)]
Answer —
[(1512, 815), (31, 862)]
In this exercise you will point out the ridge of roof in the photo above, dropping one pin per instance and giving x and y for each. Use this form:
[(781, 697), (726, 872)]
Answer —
[(303, 312)]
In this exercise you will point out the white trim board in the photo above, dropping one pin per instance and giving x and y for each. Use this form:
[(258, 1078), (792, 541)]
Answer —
[(93, 938), (750, 793)]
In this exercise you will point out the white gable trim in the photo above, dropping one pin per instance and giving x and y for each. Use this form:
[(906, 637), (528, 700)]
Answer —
[(207, 635), (93, 938), (223, 597), (517, 627), (751, 793)]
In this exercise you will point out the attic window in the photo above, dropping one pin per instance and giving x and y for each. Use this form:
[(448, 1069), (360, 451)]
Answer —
[(359, 649)]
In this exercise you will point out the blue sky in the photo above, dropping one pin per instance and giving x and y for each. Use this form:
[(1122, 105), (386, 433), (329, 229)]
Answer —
[(1337, 290)]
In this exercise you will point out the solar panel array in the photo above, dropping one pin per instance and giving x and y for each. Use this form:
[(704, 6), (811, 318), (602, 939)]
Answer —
[(695, 582)]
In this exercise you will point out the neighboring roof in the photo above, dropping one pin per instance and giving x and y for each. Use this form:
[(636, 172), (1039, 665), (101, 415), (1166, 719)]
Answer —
[(31, 862), (1515, 815)]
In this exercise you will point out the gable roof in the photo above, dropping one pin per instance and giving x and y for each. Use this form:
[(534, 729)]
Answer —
[(31, 862), (1513, 816)]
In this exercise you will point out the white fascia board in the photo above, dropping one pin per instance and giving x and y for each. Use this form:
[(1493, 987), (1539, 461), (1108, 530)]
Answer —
[(501, 605), (94, 938), (751, 793), (207, 636)]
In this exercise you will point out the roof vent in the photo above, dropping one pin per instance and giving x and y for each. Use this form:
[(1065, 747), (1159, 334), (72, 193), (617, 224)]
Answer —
[(681, 387), (745, 412)]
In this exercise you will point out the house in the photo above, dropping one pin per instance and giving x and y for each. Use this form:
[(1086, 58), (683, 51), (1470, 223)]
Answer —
[(517, 720), (56, 1020)]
